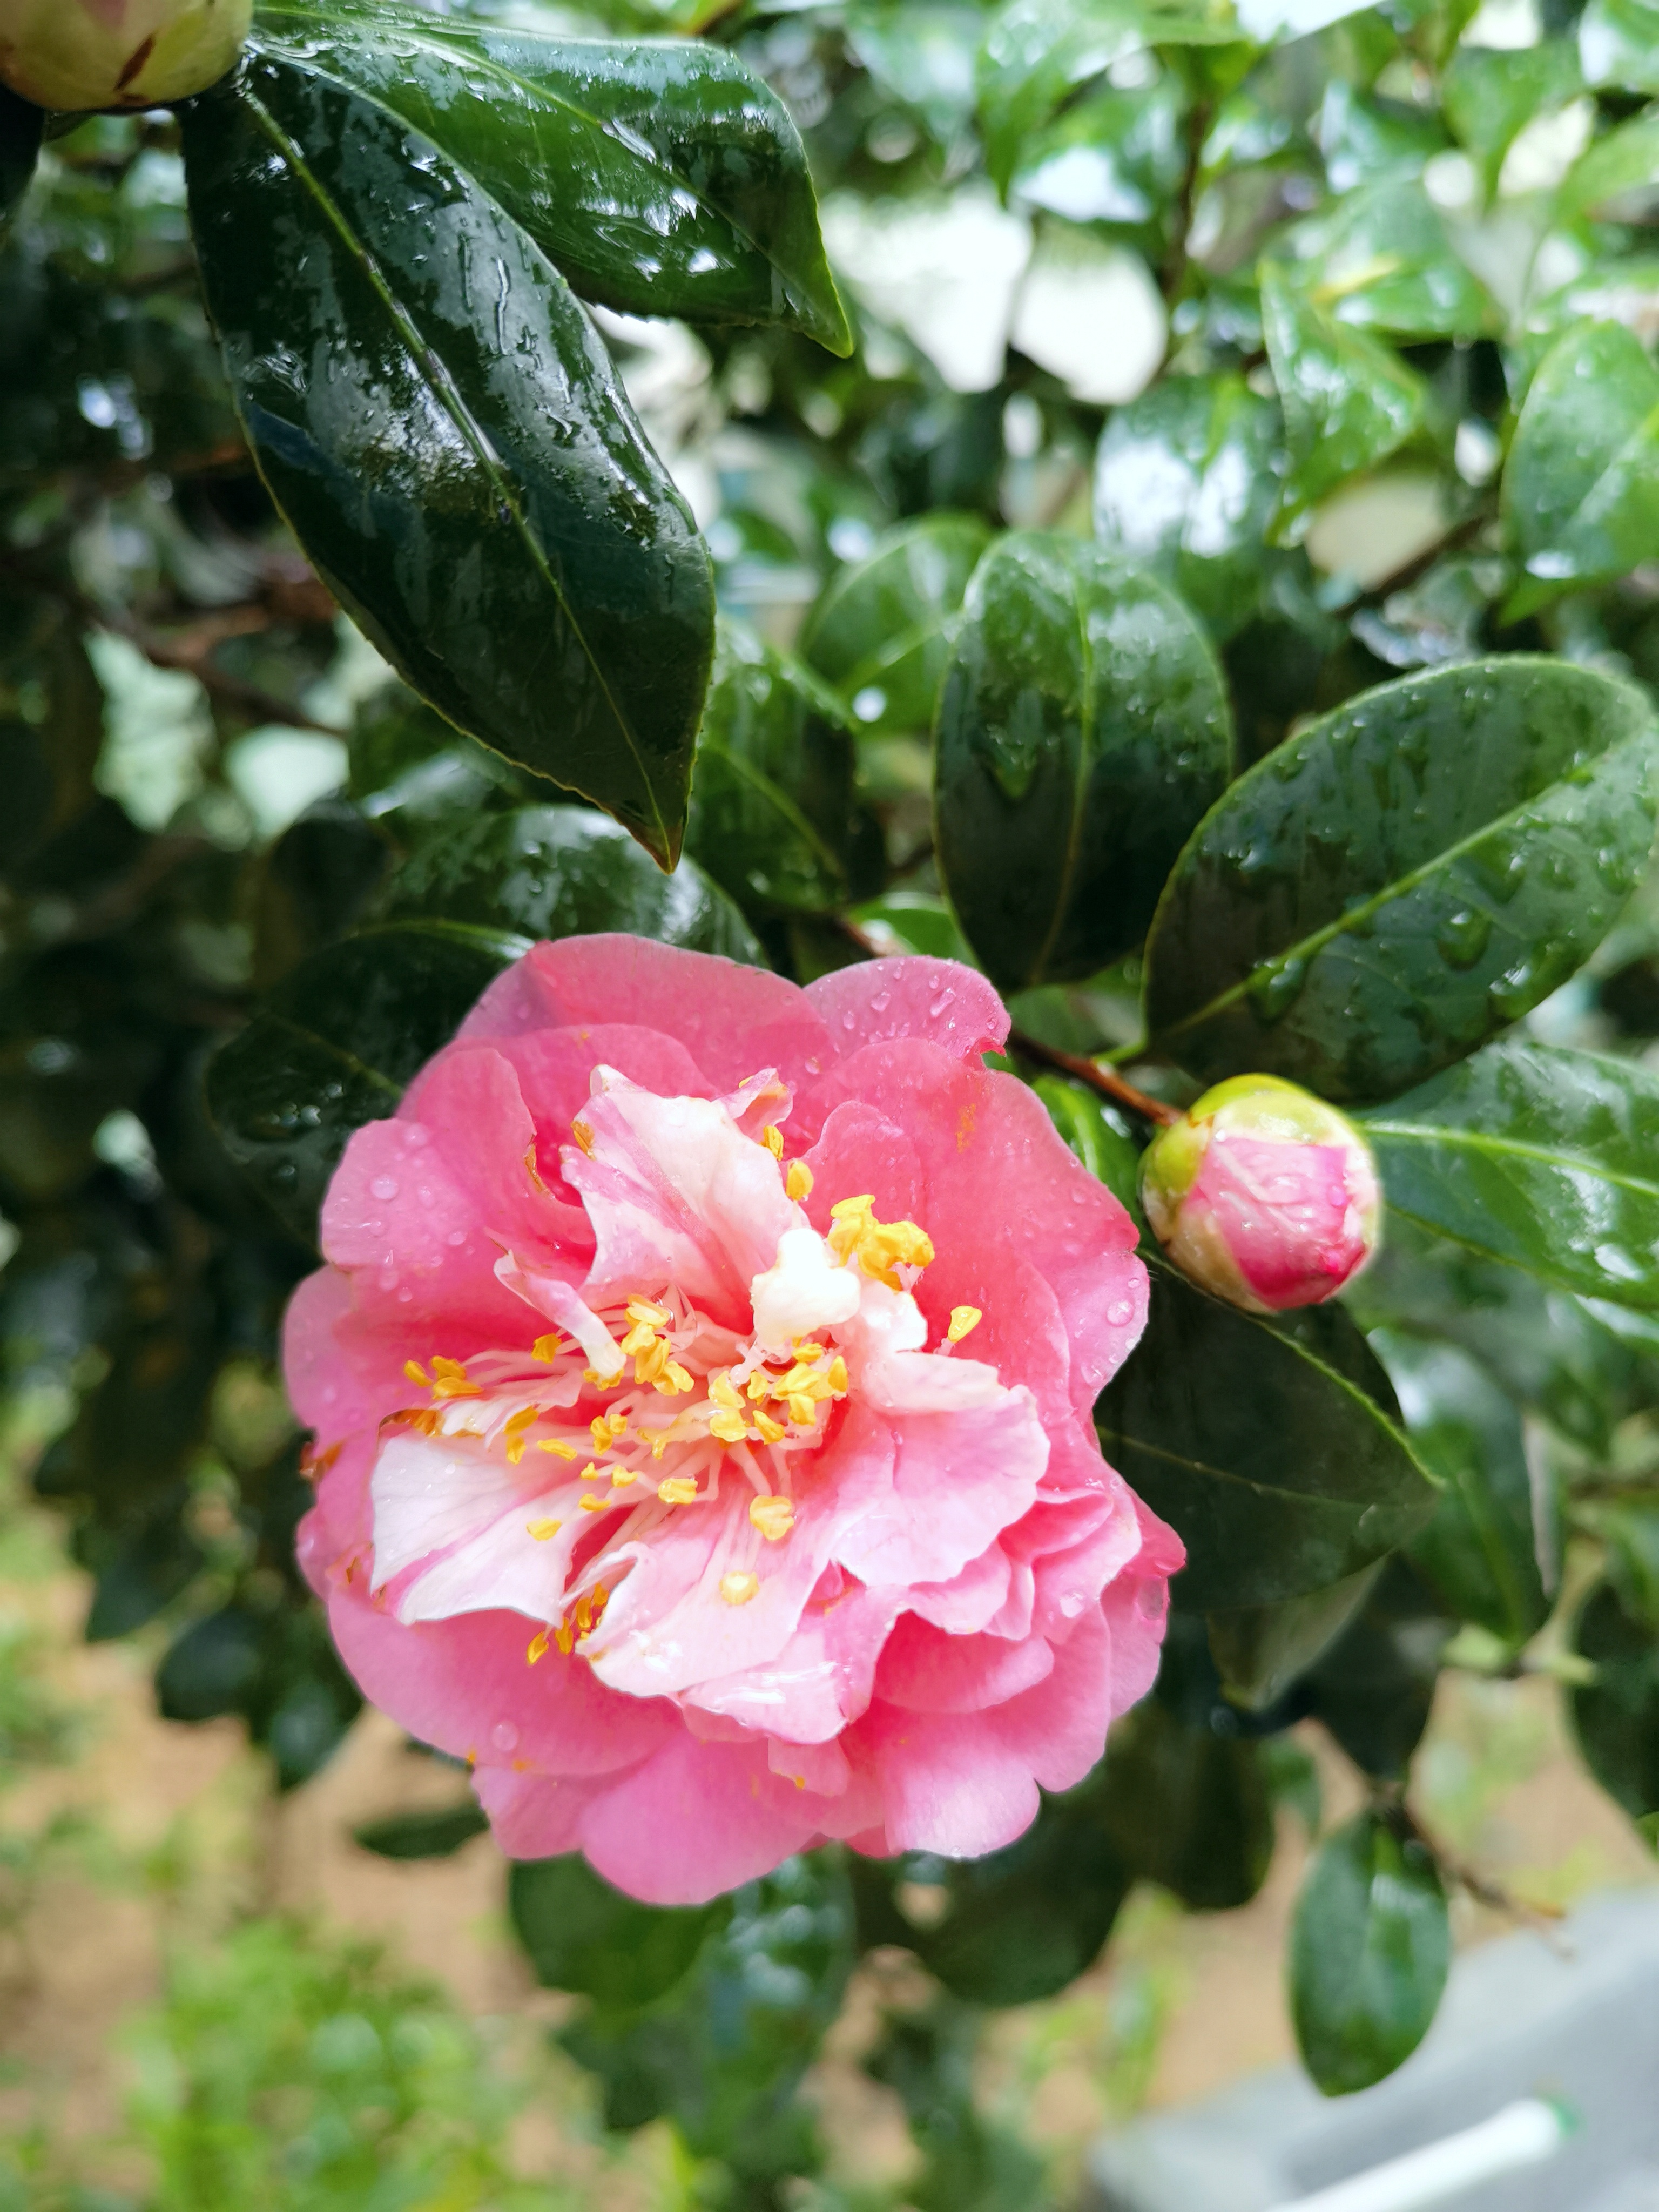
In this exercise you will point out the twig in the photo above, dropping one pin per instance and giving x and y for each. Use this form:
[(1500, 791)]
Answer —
[(1173, 275), (1542, 1919), (1104, 1080), (1409, 572)]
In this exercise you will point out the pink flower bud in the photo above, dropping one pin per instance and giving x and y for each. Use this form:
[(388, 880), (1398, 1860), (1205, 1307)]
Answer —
[(75, 54), (1263, 1195)]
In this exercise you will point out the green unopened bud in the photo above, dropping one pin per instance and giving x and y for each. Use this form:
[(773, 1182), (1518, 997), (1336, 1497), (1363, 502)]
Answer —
[(74, 54), (1263, 1193)]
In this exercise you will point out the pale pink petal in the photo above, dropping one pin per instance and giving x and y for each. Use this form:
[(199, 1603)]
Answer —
[(554, 1068), (859, 1150), (948, 1784), (956, 1483), (323, 1387), (1136, 1607), (1057, 1730), (460, 1512), (821, 1679), (533, 1816), (928, 1671), (915, 996)]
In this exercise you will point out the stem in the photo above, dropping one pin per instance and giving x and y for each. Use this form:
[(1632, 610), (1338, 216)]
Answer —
[(1173, 275), (1105, 1080), (1484, 1888)]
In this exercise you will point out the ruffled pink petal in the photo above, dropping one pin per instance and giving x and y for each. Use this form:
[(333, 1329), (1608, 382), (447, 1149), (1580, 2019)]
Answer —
[(464, 1686), (940, 1000), (949, 1783), (859, 1150), (694, 1819), (1136, 1607), (956, 1484), (1057, 1730), (554, 1068), (928, 1671), (732, 1020), (325, 1388), (821, 1679), (534, 1816)]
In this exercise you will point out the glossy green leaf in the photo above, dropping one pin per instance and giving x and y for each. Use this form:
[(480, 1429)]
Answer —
[(1373, 1688), (583, 1935), (1014, 1927), (1620, 167), (276, 1670), (1370, 1952), (1083, 728), (1037, 51), (1349, 400), (1581, 486), (722, 2052), (1187, 479), (444, 430), (880, 633), (21, 125), (1619, 43), (772, 788), (1546, 1157), (1616, 1716), (320, 876), (1112, 157), (1405, 875), (912, 922), (1260, 1650), (922, 54), (436, 1834), (332, 1047), (1187, 1808), (1278, 1472), (1492, 92), (1480, 1552), (662, 176), (537, 872), (1381, 258)]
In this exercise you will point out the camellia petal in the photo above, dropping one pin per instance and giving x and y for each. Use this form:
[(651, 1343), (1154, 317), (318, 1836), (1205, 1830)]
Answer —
[(701, 1376)]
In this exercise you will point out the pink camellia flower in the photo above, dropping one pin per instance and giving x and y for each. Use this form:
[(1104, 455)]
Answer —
[(656, 1477), (1263, 1193)]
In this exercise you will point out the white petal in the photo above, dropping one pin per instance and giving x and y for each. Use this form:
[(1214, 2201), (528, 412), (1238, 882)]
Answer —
[(802, 1292)]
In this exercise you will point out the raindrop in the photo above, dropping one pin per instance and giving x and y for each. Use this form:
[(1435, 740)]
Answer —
[(881, 1002), (456, 1237), (384, 1187), (1274, 990), (504, 1735), (1120, 1312), (940, 1003), (1463, 936), (389, 1278)]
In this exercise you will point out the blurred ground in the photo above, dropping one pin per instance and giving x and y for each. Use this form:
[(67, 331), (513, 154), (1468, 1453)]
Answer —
[(117, 1824)]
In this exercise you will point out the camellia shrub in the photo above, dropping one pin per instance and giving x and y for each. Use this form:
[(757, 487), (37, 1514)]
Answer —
[(867, 789)]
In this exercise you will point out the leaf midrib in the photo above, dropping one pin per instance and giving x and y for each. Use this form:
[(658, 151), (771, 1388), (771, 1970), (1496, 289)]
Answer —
[(649, 159), (430, 363), (1306, 949), (1357, 1507), (779, 799), (1483, 1140)]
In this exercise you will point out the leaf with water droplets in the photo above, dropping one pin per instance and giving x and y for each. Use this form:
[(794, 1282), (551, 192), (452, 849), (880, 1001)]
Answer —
[(1542, 1157), (1083, 728), (1581, 486), (444, 432), (662, 176), (880, 633), (1370, 902), (334, 1044), (1262, 1447)]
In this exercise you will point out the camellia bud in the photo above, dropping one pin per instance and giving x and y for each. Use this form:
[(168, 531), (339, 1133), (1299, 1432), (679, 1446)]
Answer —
[(75, 54), (1263, 1193)]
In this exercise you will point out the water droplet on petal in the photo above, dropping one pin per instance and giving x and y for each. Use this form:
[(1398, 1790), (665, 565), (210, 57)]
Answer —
[(504, 1735), (384, 1187)]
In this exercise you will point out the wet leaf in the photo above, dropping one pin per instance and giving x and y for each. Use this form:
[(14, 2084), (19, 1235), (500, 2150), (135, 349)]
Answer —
[(1581, 486), (1616, 1717), (437, 1834), (1382, 259), (1280, 1474), (771, 789), (1083, 728), (1187, 1808), (1369, 1952), (1349, 401), (1098, 1134), (662, 176), (583, 1935), (1405, 875), (1491, 94), (1480, 1552), (1260, 1650), (548, 592), (1186, 479), (880, 633), (1619, 43), (1546, 1157), (1374, 1687)]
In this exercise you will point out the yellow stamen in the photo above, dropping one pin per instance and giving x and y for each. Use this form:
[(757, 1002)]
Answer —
[(800, 1409), (584, 1136), (798, 1183), (514, 1450), (417, 1373), (964, 1320), (584, 1613), (657, 1438), (542, 1530), (645, 1309), (616, 1420), (517, 1423), (622, 1476), (564, 1639), (536, 1181), (759, 1383), (678, 1490), (599, 1429), (547, 1347), (538, 1647), (723, 1392), (675, 1378), (640, 1338), (737, 1588), (728, 1427), (773, 1516), (552, 1444), (595, 1505), (449, 1380), (836, 1377), (772, 1137), (771, 1431), (650, 1363)]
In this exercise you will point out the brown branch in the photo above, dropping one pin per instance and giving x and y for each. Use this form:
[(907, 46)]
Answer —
[(1173, 275), (1484, 1888), (1105, 1080)]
